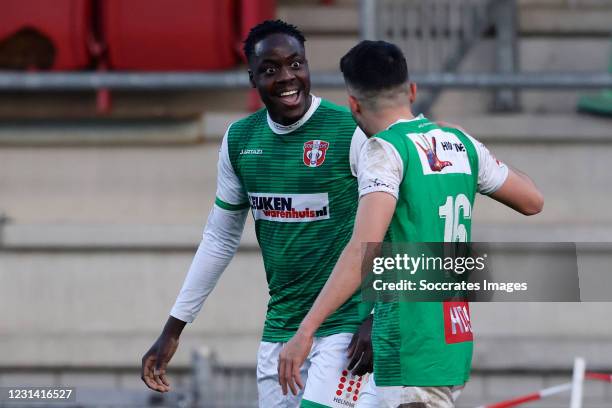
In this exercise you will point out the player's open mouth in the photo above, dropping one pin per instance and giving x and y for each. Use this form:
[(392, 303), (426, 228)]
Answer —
[(290, 98)]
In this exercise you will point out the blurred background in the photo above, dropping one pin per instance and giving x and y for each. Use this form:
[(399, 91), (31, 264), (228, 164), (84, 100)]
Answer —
[(111, 115)]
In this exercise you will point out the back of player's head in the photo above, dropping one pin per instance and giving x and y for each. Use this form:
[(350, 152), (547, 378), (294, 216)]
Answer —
[(372, 68), (267, 28)]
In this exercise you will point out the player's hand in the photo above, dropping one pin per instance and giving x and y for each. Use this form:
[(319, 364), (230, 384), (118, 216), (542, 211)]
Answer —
[(155, 361), (360, 349), (290, 361)]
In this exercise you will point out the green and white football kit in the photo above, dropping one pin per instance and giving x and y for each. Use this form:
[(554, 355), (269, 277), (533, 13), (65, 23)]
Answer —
[(423, 350), (299, 182)]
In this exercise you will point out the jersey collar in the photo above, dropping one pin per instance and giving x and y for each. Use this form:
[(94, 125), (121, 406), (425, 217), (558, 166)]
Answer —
[(283, 130), (416, 118)]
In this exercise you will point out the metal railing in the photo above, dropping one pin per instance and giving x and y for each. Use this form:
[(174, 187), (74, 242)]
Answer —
[(568, 3), (436, 36), (428, 31), (581, 3), (216, 386), (180, 81)]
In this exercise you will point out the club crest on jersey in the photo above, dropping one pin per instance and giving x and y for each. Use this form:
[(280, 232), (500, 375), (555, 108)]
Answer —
[(314, 152)]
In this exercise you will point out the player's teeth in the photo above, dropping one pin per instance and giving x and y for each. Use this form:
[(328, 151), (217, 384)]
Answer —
[(288, 93)]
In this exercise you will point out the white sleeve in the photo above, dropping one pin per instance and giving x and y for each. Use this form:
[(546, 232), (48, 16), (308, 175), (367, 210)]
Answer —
[(357, 142), (219, 243), (492, 173), (230, 192), (380, 168)]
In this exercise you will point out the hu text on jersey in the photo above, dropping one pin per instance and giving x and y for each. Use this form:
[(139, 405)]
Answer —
[(457, 322)]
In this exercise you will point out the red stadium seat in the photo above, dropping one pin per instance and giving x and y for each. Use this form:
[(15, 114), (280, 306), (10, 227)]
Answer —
[(254, 12), (66, 23), (166, 35)]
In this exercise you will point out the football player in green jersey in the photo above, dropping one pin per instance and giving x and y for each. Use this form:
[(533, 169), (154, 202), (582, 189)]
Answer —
[(292, 165), (417, 183)]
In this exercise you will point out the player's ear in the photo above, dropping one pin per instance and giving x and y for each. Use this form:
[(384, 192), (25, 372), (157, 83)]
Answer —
[(354, 104), (251, 80), (413, 92)]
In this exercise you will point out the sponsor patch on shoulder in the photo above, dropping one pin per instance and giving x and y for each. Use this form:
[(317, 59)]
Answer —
[(441, 152)]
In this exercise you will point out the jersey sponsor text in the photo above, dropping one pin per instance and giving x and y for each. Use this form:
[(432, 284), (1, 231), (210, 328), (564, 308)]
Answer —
[(289, 207)]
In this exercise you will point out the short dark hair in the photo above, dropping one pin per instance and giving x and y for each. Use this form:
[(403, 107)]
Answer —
[(373, 66), (266, 28)]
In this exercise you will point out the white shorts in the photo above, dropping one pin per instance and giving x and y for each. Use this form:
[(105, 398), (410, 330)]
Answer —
[(394, 397), (327, 381)]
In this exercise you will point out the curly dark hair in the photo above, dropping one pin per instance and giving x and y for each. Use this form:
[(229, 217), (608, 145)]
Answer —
[(266, 28)]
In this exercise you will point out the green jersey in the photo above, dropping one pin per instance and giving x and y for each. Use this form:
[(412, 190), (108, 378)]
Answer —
[(302, 192), (427, 343)]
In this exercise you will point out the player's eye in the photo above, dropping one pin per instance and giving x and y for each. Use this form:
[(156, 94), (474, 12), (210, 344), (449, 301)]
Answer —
[(269, 71), (296, 65)]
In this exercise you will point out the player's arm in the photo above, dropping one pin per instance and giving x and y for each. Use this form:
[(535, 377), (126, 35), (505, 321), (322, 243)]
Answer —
[(220, 241), (520, 193), (360, 350), (373, 217), (380, 173), (371, 223), (505, 184)]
